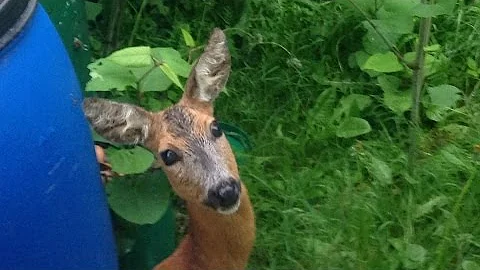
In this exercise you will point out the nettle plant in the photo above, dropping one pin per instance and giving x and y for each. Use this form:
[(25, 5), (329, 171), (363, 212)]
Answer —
[(150, 78), (389, 55)]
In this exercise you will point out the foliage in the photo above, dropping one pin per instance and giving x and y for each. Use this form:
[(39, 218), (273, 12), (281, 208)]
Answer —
[(325, 89), (138, 75)]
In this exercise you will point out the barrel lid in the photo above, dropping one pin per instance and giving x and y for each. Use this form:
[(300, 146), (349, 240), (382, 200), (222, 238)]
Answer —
[(14, 14)]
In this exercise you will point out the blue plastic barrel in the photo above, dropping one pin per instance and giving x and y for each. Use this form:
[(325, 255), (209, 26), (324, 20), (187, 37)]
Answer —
[(53, 209)]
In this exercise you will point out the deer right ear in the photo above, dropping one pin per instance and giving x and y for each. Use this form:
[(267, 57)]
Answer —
[(210, 74), (117, 122)]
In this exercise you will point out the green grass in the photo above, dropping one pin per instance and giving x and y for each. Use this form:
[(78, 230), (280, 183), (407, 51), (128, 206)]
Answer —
[(317, 202), (323, 202)]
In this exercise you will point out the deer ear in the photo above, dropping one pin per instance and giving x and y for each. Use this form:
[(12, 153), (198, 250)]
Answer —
[(120, 123), (210, 74)]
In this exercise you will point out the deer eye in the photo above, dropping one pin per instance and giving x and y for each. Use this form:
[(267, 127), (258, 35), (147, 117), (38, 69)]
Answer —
[(215, 129), (169, 157)]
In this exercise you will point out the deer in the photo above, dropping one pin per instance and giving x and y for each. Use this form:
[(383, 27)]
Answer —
[(197, 159)]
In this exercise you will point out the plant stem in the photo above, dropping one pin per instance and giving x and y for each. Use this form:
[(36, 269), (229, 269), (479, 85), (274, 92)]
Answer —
[(116, 8), (137, 22), (417, 86)]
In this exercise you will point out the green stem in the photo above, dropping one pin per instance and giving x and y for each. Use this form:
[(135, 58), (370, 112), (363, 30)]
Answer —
[(417, 86), (137, 22)]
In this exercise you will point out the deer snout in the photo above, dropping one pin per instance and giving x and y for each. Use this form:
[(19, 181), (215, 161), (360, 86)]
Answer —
[(225, 196)]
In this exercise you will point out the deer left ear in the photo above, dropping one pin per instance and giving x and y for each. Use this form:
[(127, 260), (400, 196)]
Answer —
[(118, 122), (210, 74)]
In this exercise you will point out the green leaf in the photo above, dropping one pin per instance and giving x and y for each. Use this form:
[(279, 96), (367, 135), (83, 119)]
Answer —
[(352, 127), (429, 10), (473, 73), (154, 81), (361, 58), (442, 98), (92, 10), (362, 101), (129, 161), (366, 5), (428, 207), (415, 253), (403, 7), (106, 75), (132, 57), (398, 102), (389, 83), (141, 199), (470, 265), (373, 43), (171, 74), (188, 38), (173, 59), (448, 5), (380, 171), (452, 158), (153, 104), (97, 138), (380, 62), (394, 24), (472, 64), (431, 62), (432, 48)]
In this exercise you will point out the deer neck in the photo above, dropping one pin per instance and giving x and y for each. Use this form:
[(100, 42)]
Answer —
[(222, 241), (215, 241)]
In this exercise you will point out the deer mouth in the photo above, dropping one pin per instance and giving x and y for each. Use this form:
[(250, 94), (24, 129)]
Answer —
[(229, 210)]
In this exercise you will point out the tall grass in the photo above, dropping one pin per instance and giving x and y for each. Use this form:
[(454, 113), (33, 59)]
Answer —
[(319, 200)]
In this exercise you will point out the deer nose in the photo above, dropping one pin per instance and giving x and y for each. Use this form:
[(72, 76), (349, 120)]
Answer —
[(225, 195)]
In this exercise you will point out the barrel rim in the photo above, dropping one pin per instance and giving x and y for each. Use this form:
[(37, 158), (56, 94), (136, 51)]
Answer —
[(14, 14)]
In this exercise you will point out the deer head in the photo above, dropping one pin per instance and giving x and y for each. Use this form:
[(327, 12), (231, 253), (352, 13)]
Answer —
[(185, 138)]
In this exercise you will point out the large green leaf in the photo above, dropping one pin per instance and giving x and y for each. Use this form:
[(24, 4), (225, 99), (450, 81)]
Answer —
[(442, 99), (393, 23), (352, 127), (389, 82), (383, 62), (140, 56), (129, 161), (154, 81), (403, 7), (397, 101), (373, 43), (141, 199), (107, 75), (173, 59), (430, 10)]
